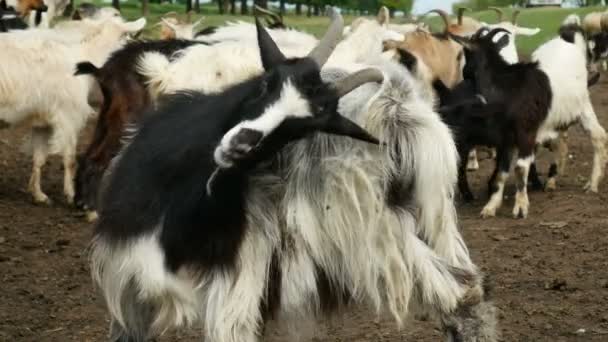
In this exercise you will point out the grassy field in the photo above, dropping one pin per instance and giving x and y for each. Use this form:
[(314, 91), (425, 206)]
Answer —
[(547, 19)]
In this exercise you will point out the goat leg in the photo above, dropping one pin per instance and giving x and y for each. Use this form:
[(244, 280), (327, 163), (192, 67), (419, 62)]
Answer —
[(463, 183)]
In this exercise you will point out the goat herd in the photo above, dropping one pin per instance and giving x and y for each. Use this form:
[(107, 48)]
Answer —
[(243, 174)]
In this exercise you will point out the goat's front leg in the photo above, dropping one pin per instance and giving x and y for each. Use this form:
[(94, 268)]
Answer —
[(497, 183), (39, 157), (69, 168), (535, 183), (522, 204)]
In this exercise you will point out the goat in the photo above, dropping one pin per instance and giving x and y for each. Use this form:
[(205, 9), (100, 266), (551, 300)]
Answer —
[(509, 52), (125, 99), (55, 114), (463, 26), (24, 7), (10, 19), (258, 253), (442, 55), (571, 101), (595, 22), (526, 93), (172, 27)]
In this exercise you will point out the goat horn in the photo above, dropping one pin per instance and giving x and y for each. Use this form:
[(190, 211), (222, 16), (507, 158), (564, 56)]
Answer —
[(268, 12), (320, 54), (443, 14), (604, 22), (353, 81), (461, 11), (498, 11), (170, 14), (514, 16)]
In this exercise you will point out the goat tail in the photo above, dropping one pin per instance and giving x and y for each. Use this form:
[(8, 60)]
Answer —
[(86, 68), (153, 66)]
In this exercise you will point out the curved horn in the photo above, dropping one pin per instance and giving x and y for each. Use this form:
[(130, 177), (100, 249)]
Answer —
[(443, 14), (494, 32), (267, 12), (353, 81), (498, 11), (172, 14), (461, 11), (320, 54), (514, 16), (604, 22)]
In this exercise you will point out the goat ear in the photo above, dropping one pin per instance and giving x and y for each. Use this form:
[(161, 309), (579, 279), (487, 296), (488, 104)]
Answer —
[(169, 24), (135, 26), (269, 51), (383, 16)]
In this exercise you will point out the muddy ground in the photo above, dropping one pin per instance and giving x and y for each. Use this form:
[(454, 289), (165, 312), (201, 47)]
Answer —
[(549, 272)]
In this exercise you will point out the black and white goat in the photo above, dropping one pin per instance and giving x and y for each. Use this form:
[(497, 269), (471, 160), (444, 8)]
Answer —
[(526, 93), (325, 220)]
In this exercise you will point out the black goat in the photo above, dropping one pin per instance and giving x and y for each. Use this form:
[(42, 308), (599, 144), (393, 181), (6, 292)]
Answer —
[(524, 93), (185, 176)]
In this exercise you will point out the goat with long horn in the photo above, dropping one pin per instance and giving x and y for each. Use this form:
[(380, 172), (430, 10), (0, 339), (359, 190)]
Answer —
[(189, 239)]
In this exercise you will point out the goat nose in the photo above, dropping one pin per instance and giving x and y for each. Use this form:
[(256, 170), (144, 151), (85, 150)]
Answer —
[(43, 8)]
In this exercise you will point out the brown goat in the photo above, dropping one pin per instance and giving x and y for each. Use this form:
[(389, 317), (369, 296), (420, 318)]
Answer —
[(463, 26), (442, 56), (24, 7)]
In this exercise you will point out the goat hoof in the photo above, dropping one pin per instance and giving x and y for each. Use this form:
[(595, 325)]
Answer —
[(488, 212), (472, 165), (91, 216), (590, 188), (520, 213), (42, 199), (550, 185)]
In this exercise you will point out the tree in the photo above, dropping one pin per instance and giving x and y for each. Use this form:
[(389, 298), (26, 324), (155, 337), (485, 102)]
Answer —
[(197, 6), (145, 10), (282, 6), (116, 4), (233, 7), (397, 5), (299, 8), (261, 3)]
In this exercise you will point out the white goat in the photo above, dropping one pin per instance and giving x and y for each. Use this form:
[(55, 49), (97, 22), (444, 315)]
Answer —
[(38, 88)]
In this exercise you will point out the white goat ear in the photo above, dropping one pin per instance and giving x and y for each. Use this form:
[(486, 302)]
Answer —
[(170, 24), (383, 16), (135, 26)]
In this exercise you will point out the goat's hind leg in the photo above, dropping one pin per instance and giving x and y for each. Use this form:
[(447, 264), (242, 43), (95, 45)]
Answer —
[(522, 203), (69, 168), (453, 295), (598, 139), (138, 317), (39, 141)]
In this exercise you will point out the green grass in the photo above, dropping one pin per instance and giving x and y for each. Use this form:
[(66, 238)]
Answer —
[(547, 19)]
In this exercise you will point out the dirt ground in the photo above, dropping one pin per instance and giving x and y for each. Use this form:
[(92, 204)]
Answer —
[(549, 272)]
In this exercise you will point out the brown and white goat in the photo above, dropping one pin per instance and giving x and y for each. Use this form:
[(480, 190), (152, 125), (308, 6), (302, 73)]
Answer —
[(442, 56)]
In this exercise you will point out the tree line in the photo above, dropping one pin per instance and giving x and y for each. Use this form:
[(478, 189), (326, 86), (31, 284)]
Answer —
[(310, 7)]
